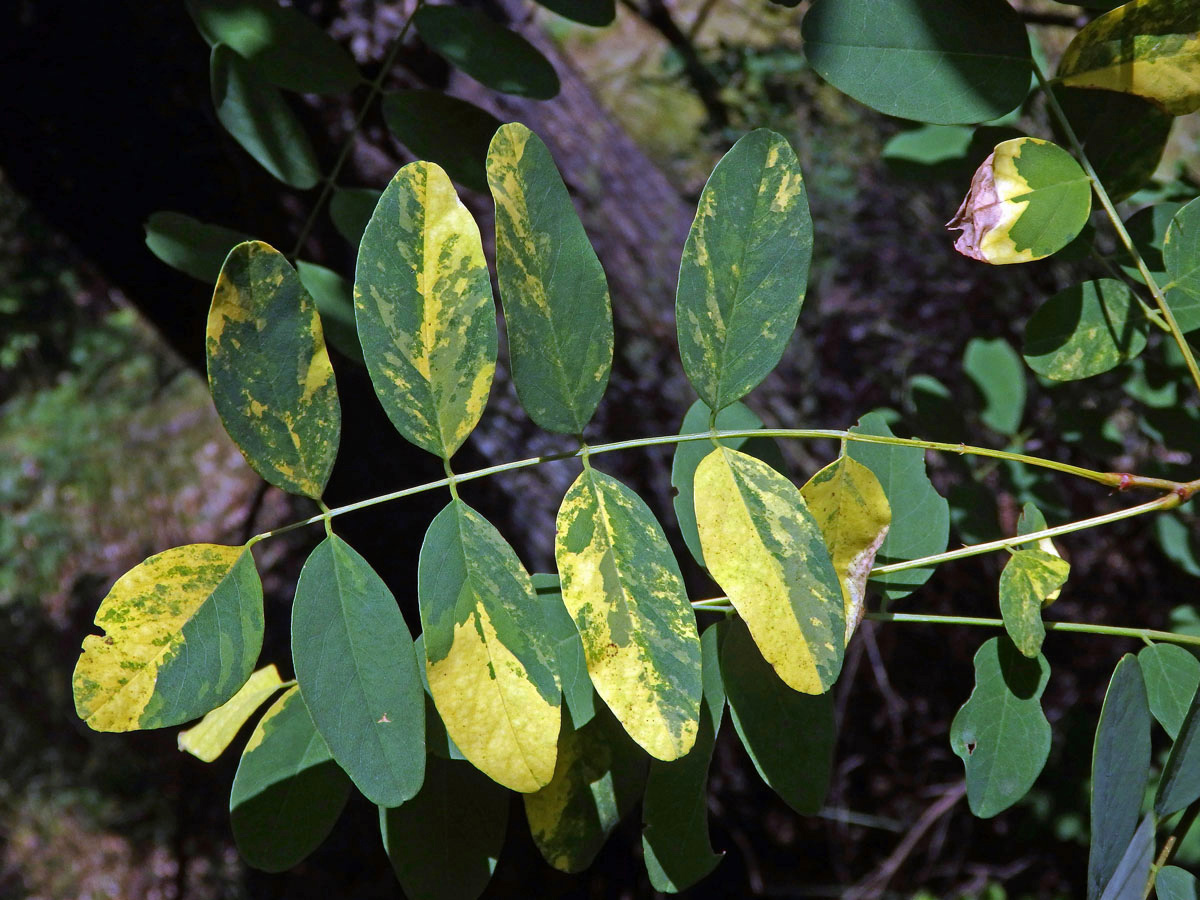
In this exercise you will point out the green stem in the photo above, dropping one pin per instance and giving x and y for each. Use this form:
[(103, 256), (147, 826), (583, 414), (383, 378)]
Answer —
[(1070, 627), (1111, 210)]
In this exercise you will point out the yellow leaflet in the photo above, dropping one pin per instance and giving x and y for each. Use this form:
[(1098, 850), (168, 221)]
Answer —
[(143, 617), (851, 508), (765, 549), (492, 710), (521, 242), (208, 739)]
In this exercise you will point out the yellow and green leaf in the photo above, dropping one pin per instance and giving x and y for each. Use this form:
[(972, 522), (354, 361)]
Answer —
[(182, 633), (1028, 200), (269, 371), (744, 270), (1029, 579), (766, 551), (555, 296), (1150, 48), (852, 511), (423, 303), (489, 659), (208, 739), (624, 590)]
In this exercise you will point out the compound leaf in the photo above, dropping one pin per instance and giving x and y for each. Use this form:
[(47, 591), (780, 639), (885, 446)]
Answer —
[(183, 630), (555, 296), (1030, 578), (1087, 329), (1172, 676), (211, 735), (193, 247), (269, 371), (744, 270), (426, 318), (451, 132)]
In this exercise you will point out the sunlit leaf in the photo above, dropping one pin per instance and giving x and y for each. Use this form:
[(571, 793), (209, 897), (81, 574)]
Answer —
[(1172, 676), (1087, 329), (356, 666), (577, 687), (675, 839), (596, 13), (183, 630), (1001, 733), (1174, 883), (487, 51), (490, 662), (193, 247), (766, 551), (426, 318), (555, 296), (744, 270), (945, 63), (598, 778), (451, 132), (920, 516), (1028, 200), (285, 46), (258, 117), (208, 739), (1030, 521), (351, 209), (444, 843), (1181, 257), (788, 735), (1120, 771), (269, 371), (334, 296), (1028, 579), (1150, 48), (288, 792), (996, 370), (1133, 870), (852, 511), (623, 588), (1179, 785)]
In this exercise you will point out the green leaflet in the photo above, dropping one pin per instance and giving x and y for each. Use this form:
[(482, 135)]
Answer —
[(1085, 330), (577, 687), (789, 736), (1129, 880), (1028, 200), (487, 51), (444, 843), (445, 130), (852, 512), (898, 58), (744, 269), (1148, 229), (598, 778), (350, 209), (183, 630), (1149, 48), (208, 739), (193, 247), (258, 117), (766, 551), (623, 588), (929, 145), (489, 659), (596, 13), (735, 417), (996, 370), (1029, 579), (357, 669), (283, 45), (1179, 785), (675, 839), (426, 318), (1181, 257), (334, 296), (555, 296), (1030, 521), (1174, 883), (288, 792), (269, 371), (1001, 733), (920, 516), (1172, 676), (1120, 771)]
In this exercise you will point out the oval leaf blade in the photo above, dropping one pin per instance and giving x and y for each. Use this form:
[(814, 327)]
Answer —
[(193, 247), (183, 631), (444, 843), (623, 588), (1085, 330), (1172, 677), (996, 370), (1133, 870), (1001, 733), (1179, 785), (766, 551), (208, 739), (897, 57), (1028, 200), (1181, 256), (568, 646), (852, 512), (357, 669), (1029, 579), (451, 132), (556, 304), (288, 792), (426, 318), (489, 660), (744, 270), (269, 371), (487, 51), (1174, 883)]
